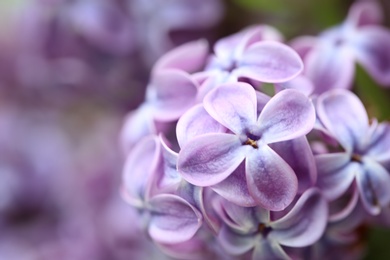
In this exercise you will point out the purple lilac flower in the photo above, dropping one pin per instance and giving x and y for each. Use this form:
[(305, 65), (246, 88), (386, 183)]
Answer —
[(255, 53), (254, 229), (210, 158), (364, 154), (172, 219), (330, 58)]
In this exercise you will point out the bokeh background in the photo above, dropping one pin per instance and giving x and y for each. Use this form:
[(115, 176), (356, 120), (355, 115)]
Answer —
[(70, 72)]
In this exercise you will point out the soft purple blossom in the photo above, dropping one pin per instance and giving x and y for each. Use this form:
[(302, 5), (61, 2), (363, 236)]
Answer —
[(254, 229), (364, 154), (255, 53), (211, 158), (330, 58)]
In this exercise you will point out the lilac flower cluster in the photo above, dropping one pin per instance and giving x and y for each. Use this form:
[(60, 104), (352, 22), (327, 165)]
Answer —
[(218, 168)]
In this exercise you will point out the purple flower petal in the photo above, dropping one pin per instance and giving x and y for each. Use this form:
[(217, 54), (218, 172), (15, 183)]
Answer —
[(266, 249), (262, 100), (170, 179), (302, 45), (208, 159), (289, 114), (271, 181), (139, 169), (372, 50), (374, 186), (300, 83), (235, 189), (329, 67), (269, 61), (305, 223), (344, 115), (335, 173), (194, 122), (189, 57), (364, 13), (233, 243), (172, 92), (240, 219), (380, 143), (297, 153), (173, 220), (346, 209), (233, 105)]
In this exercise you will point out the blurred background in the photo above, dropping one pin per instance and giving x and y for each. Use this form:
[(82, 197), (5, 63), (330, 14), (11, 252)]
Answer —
[(70, 71)]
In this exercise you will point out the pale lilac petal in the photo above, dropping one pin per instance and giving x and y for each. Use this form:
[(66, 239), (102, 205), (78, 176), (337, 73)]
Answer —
[(329, 67), (171, 93), (289, 114), (234, 243), (139, 170), (194, 122), (170, 179), (305, 223), (335, 173), (297, 153), (255, 34), (271, 181), (346, 209), (380, 143), (262, 100), (300, 83), (374, 186), (269, 61), (344, 115), (173, 220), (235, 189), (372, 50), (208, 159), (302, 45), (233, 105), (189, 57), (266, 249), (364, 13), (241, 219)]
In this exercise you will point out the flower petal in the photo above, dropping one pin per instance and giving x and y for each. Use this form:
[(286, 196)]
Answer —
[(364, 13), (372, 50), (140, 169), (344, 115), (173, 220), (289, 114), (189, 57), (208, 159), (266, 249), (194, 122), (374, 186), (305, 223), (235, 189), (271, 181), (171, 92), (269, 61), (302, 45), (300, 83), (170, 179), (329, 67), (233, 243), (233, 105), (380, 143), (335, 174), (297, 153)]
